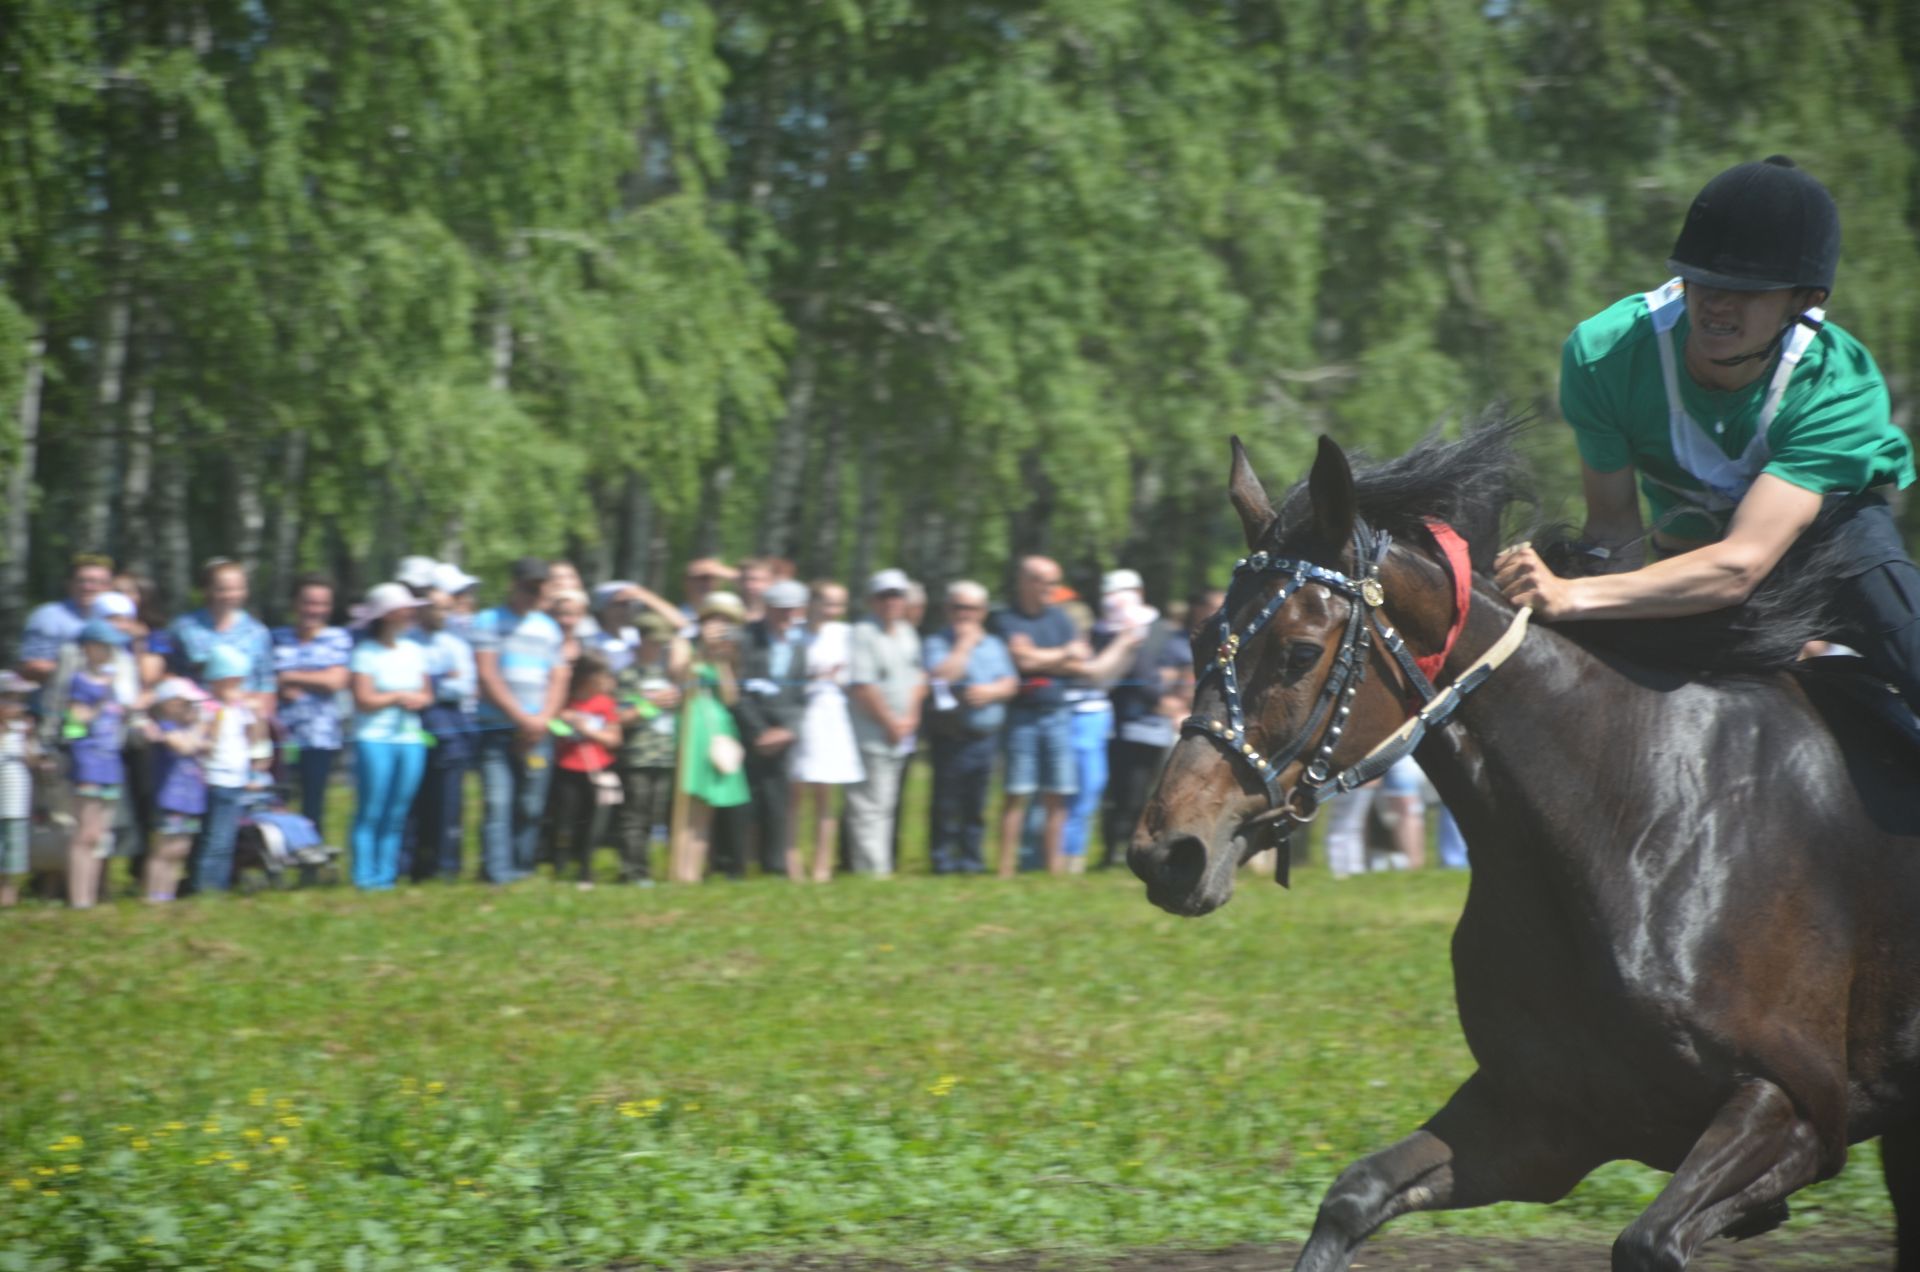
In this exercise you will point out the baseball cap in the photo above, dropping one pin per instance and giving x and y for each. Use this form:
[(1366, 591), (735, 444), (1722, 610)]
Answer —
[(786, 594), (417, 572), (888, 581), (451, 579), (99, 631), (610, 591), (224, 662), (178, 687), (726, 605), (1120, 581), (114, 605), (530, 569)]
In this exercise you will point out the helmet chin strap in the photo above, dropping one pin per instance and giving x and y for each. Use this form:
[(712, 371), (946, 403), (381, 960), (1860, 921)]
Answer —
[(1765, 351)]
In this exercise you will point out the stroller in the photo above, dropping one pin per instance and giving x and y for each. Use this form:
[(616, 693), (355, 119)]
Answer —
[(276, 842)]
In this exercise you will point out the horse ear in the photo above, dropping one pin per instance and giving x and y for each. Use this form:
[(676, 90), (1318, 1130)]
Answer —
[(1330, 486), (1249, 496)]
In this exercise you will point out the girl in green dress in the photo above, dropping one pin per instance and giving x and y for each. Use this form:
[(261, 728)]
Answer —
[(712, 758)]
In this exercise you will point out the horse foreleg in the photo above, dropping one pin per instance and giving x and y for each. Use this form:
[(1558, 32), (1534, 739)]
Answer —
[(1756, 1151), (1478, 1149)]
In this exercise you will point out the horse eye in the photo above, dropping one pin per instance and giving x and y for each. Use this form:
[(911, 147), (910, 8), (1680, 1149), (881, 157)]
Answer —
[(1302, 657)]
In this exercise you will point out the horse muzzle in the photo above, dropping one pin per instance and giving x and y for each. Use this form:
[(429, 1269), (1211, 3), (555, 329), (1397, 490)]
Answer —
[(1183, 874)]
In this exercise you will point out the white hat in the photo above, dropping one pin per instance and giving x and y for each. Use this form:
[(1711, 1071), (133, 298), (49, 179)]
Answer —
[(888, 581), (786, 594), (1120, 581), (114, 605), (724, 604), (382, 601), (451, 579), (417, 571), (178, 687), (611, 591)]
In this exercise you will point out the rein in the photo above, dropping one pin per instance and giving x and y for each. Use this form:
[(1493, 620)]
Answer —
[(1366, 621)]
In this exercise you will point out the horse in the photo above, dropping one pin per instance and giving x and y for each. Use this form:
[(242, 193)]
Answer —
[(1689, 936)]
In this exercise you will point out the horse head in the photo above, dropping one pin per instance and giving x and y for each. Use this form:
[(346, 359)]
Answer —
[(1295, 681)]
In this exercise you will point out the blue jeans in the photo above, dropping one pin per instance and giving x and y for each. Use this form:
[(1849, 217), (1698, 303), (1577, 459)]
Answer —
[(1453, 845), (316, 770), (436, 827), (213, 855), (387, 774), (962, 771), (1091, 730), (515, 784), (1040, 750)]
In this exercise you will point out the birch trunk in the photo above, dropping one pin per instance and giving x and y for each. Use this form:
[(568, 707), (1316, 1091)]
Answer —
[(136, 502), (634, 559), (93, 522), (779, 530), (172, 537), (248, 513), (823, 552), (18, 525), (283, 533), (866, 531)]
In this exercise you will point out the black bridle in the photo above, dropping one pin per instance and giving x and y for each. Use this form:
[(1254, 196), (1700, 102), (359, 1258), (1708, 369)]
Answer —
[(1328, 719)]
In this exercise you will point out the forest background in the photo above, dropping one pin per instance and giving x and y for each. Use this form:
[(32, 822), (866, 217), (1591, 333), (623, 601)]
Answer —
[(915, 282)]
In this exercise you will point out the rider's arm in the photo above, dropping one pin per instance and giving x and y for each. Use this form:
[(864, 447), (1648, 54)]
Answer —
[(1773, 514), (1613, 516)]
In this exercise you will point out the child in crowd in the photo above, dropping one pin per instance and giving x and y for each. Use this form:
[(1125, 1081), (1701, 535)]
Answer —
[(19, 755), (584, 763), (94, 732), (181, 738), (237, 744), (649, 692)]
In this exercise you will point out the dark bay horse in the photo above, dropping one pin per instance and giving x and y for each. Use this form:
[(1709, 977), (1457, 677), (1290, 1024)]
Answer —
[(1692, 934)]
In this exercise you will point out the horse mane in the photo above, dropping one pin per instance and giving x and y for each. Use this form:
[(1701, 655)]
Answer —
[(1476, 482)]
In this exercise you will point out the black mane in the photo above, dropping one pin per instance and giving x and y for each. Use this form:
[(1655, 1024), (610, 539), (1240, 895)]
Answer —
[(1474, 483)]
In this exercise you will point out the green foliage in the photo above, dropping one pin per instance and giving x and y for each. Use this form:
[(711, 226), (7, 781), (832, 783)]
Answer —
[(542, 1077), (887, 279)]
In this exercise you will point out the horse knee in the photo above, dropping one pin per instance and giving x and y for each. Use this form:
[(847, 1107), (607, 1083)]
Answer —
[(1357, 1202), (1641, 1250)]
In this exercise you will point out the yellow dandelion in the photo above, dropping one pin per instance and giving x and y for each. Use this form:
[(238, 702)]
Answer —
[(884, 949), (435, 1088), (691, 1106), (223, 1156), (22, 1185), (279, 1141), (141, 1142), (463, 1182), (290, 1120), (49, 1192), (283, 1105), (257, 1097), (148, 1239), (71, 1168), (124, 1129), (651, 1105), (209, 1128), (176, 1126), (203, 1161), (251, 1135), (45, 1170), (241, 1167)]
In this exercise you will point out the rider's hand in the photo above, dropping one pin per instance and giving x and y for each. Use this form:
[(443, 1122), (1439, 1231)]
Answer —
[(1527, 582)]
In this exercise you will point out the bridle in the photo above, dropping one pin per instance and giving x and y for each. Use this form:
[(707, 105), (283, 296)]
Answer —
[(1366, 622)]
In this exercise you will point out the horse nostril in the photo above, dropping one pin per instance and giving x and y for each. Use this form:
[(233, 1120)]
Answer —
[(1182, 864)]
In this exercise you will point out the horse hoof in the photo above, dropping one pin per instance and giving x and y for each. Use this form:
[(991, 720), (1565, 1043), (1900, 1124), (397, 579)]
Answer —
[(1765, 1219)]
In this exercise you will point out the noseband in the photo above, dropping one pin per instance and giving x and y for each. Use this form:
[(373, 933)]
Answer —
[(1328, 719)]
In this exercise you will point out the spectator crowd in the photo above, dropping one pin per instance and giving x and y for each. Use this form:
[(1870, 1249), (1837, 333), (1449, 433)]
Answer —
[(753, 722)]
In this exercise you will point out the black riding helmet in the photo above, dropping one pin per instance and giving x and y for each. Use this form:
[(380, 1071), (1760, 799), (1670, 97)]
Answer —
[(1759, 227)]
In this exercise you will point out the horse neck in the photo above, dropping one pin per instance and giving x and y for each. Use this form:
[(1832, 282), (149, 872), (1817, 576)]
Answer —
[(1521, 745)]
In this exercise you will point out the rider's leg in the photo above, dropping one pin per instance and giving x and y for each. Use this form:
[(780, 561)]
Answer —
[(1879, 595)]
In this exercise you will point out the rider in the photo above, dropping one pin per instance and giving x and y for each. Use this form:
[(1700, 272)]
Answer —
[(1742, 411)]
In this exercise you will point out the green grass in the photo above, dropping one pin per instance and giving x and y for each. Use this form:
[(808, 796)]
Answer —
[(541, 1077)]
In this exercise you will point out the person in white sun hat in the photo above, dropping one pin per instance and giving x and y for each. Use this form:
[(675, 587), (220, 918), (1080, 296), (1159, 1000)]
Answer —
[(391, 688)]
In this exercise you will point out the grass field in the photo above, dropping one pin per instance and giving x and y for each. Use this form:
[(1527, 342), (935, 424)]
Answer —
[(540, 1077)]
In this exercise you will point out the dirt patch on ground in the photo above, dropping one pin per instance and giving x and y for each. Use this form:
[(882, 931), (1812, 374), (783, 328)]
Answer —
[(1805, 1252)]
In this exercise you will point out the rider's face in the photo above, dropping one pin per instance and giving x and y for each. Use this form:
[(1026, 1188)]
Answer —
[(1727, 324)]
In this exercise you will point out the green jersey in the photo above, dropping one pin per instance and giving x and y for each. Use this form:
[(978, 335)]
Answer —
[(1818, 419)]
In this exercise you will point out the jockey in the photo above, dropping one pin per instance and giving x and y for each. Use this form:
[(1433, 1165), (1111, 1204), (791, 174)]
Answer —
[(1741, 411)]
